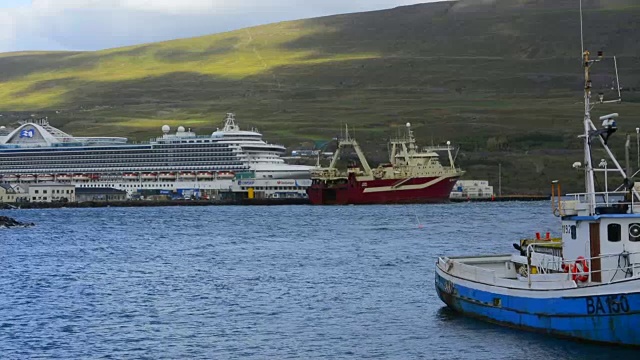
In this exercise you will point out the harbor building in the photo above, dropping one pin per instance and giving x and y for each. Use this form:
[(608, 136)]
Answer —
[(101, 194), (52, 192), (472, 189), (7, 194)]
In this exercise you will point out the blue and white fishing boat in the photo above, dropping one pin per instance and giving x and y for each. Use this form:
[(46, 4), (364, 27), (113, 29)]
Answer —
[(584, 285)]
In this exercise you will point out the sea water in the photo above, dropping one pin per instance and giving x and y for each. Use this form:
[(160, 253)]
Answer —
[(227, 282)]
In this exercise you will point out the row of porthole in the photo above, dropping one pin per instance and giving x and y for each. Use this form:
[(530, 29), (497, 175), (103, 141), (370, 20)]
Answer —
[(614, 232)]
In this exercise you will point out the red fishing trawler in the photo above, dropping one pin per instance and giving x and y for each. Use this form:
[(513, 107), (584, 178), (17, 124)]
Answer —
[(412, 176)]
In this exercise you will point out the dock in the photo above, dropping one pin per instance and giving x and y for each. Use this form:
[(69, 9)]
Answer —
[(238, 202), (504, 198)]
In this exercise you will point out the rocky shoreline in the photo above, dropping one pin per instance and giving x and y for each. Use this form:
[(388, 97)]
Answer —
[(7, 222)]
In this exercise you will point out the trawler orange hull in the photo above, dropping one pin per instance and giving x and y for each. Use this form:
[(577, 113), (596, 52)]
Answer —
[(382, 191)]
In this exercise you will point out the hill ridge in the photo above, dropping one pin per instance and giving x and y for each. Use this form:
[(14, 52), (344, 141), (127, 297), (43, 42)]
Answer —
[(500, 82)]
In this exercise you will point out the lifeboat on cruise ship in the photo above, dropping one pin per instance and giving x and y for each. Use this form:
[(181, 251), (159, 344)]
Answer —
[(45, 177), (81, 177), (149, 176), (187, 176), (27, 178), (63, 177), (167, 176), (226, 175), (204, 175), (11, 178), (130, 176)]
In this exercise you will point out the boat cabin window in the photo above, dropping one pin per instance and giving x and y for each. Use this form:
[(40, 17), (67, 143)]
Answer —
[(573, 232), (634, 232), (614, 232)]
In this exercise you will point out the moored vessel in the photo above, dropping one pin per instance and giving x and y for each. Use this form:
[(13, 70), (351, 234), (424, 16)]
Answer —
[(167, 176), (412, 176), (10, 178), (147, 176), (204, 175), (36, 151), (130, 176), (187, 176), (225, 175), (80, 177), (585, 285)]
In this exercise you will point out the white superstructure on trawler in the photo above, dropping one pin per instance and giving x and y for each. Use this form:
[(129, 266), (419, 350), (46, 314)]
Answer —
[(36, 152)]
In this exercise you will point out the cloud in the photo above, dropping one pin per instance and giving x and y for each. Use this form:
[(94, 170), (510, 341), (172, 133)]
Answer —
[(100, 24), (8, 27), (166, 6), (213, 6)]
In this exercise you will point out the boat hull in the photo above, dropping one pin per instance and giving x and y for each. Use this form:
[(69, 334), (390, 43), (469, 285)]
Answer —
[(603, 314), (382, 191)]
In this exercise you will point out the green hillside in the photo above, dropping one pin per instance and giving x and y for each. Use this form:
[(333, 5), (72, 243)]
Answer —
[(501, 78)]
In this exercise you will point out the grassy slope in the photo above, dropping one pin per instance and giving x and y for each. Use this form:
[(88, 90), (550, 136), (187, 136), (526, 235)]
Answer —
[(501, 78)]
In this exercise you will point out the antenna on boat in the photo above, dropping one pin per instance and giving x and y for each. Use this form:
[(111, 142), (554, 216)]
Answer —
[(615, 64), (455, 157), (450, 156), (581, 31), (627, 146)]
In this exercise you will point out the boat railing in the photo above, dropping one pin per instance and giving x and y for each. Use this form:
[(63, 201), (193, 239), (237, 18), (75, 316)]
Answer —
[(549, 265), (327, 173), (436, 148), (605, 202)]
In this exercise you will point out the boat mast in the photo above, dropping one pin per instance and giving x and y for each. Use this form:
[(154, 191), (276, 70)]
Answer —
[(451, 161), (589, 173), (590, 128), (348, 141)]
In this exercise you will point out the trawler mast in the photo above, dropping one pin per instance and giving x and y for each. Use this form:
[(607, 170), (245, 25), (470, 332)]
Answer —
[(590, 128), (348, 141), (589, 174)]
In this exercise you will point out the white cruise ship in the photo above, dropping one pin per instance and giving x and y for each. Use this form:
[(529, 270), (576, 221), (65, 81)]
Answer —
[(37, 152)]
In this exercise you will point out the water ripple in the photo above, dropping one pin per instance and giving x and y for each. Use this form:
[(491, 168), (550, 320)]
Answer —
[(256, 282)]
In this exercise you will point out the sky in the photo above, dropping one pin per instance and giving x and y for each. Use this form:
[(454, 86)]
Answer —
[(103, 24)]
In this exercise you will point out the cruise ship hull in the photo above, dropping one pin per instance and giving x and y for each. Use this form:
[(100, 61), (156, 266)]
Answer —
[(36, 152), (382, 191)]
